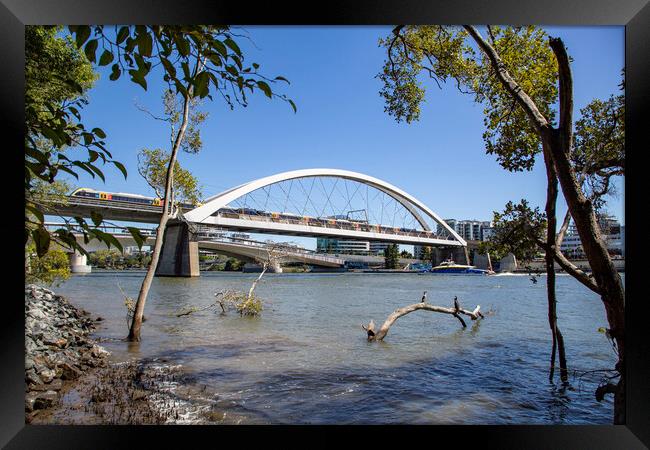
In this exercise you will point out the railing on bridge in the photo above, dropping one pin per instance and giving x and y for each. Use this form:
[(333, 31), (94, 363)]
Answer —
[(252, 243), (113, 229), (331, 223)]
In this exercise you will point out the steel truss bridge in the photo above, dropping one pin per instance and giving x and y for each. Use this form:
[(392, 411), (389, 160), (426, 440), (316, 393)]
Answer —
[(332, 203)]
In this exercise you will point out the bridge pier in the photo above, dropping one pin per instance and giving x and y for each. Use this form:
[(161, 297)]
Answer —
[(508, 263), (180, 252), (482, 261), (78, 263), (458, 254)]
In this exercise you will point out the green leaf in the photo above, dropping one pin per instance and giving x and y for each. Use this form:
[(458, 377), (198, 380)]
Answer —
[(95, 169), (106, 58), (41, 240), (136, 77), (37, 155), (83, 166), (182, 45), (96, 218), (232, 71), (282, 79), (201, 84), (88, 138), (265, 88), (230, 43), (218, 45), (144, 43), (82, 33), (116, 72), (169, 67), (35, 211), (137, 236), (90, 49), (70, 171), (293, 105), (122, 34), (110, 239), (186, 69), (99, 132), (120, 166)]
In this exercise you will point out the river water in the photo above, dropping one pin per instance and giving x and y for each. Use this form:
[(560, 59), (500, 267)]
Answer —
[(306, 358)]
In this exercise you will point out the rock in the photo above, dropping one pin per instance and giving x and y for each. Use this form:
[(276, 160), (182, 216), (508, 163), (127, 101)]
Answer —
[(36, 314), (138, 394), (45, 399), (98, 351), (47, 375), (69, 372), (99, 319), (31, 377), (55, 385), (30, 398)]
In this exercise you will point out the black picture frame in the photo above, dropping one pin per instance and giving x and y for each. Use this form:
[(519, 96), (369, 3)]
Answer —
[(633, 14)]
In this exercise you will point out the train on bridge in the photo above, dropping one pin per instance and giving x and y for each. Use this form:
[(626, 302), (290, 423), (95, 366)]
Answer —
[(124, 197), (252, 214)]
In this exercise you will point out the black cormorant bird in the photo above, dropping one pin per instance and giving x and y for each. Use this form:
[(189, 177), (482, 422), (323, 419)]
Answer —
[(456, 305), (424, 297)]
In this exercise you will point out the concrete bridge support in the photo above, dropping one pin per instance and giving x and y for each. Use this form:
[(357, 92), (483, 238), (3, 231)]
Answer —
[(458, 254), (508, 263), (180, 253), (78, 263), (482, 261)]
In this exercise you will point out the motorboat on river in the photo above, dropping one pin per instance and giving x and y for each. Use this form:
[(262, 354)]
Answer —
[(449, 267)]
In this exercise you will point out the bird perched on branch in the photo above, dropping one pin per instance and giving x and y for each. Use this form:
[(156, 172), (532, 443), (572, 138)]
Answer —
[(456, 304), (424, 297)]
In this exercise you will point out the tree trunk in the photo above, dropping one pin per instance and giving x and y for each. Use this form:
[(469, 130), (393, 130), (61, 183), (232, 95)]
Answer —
[(584, 217), (136, 324), (605, 274), (551, 221)]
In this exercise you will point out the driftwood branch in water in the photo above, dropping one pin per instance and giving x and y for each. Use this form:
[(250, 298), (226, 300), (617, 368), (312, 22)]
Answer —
[(455, 311)]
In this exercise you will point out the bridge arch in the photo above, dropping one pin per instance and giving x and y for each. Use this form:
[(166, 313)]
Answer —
[(216, 202)]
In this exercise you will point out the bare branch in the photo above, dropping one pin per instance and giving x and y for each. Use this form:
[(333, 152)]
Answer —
[(454, 311)]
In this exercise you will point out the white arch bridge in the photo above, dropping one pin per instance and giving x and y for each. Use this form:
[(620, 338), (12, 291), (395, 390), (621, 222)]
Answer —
[(337, 204), (417, 220)]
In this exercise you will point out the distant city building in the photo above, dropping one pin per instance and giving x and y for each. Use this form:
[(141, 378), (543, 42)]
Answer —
[(469, 230), (377, 248), (612, 231), (487, 232), (344, 246), (350, 247)]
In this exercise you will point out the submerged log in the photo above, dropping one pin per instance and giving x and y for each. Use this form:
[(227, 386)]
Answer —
[(455, 311)]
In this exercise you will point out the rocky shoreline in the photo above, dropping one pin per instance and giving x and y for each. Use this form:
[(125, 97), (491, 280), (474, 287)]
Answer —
[(70, 380), (57, 347)]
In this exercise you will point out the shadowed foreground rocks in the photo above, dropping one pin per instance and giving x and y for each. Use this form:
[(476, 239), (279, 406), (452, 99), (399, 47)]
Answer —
[(69, 379), (57, 347)]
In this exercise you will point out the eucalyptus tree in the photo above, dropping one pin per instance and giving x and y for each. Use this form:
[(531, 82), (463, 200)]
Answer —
[(523, 79)]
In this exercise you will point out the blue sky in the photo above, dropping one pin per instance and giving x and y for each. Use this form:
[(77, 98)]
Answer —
[(341, 122)]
